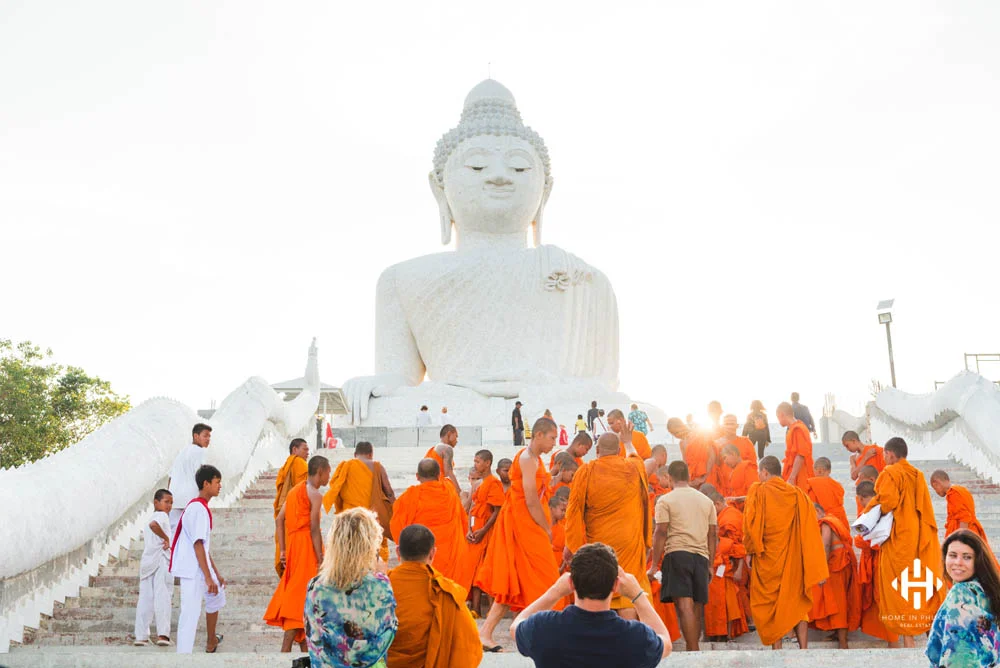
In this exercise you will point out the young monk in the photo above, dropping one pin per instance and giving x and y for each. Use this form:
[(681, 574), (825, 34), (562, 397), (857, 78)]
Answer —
[(519, 566), (657, 459), (557, 511), (781, 535), (444, 454), (434, 504), (362, 482), (837, 601), (698, 452), (797, 467), (742, 475), (301, 545), (483, 507), (871, 616), (724, 616), (730, 521), (902, 490), (730, 429), (866, 473), (827, 492), (291, 473), (435, 628), (961, 505), (578, 448), (610, 504), (503, 473), (861, 454), (564, 471), (631, 440)]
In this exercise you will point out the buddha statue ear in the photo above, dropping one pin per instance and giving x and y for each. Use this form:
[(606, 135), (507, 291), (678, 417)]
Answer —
[(536, 224), (444, 211)]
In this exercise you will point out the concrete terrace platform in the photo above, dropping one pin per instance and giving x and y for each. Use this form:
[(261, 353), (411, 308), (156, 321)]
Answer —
[(95, 628)]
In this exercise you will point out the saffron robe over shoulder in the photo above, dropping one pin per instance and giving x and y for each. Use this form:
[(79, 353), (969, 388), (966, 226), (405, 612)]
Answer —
[(610, 504), (781, 533), (877, 459), (902, 490), (871, 616), (289, 601), (519, 565), (723, 613), (436, 505), (962, 508), (641, 445), (433, 454), (742, 477), (435, 629), (798, 442), (698, 448), (828, 493), (292, 472), (350, 486), (488, 495), (837, 602)]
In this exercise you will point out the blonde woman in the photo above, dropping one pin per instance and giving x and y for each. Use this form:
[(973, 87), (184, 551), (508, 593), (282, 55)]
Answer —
[(350, 610)]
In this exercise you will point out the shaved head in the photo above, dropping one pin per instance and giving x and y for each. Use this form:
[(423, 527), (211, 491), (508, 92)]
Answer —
[(615, 413), (850, 437), (823, 464), (785, 408), (897, 446), (868, 472), (317, 464), (677, 427), (567, 462), (607, 444), (428, 469), (771, 465), (730, 449), (940, 475), (865, 490)]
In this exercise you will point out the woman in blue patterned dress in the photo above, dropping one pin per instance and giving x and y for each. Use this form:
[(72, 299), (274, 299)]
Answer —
[(350, 610), (964, 633)]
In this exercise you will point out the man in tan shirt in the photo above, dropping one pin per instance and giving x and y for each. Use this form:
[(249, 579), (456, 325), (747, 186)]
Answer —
[(685, 537)]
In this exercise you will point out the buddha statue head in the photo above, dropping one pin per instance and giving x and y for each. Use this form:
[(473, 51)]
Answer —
[(491, 173)]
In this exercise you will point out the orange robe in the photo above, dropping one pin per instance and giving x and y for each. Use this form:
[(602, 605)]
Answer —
[(552, 459), (560, 485), (286, 607), (962, 508), (877, 460), (743, 476), (748, 452), (781, 533), (723, 613), (828, 493), (837, 602), (798, 442), (871, 617), (435, 505), (610, 504), (697, 450), (488, 495), (433, 454), (519, 566), (731, 526), (641, 445), (435, 630), (559, 540), (291, 473), (353, 485), (666, 611), (902, 490)]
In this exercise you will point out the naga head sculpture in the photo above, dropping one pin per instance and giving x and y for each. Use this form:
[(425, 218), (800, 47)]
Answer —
[(491, 173)]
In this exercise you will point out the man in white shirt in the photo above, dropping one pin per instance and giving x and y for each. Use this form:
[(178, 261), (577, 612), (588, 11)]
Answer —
[(444, 418), (191, 561), (424, 417), (181, 481)]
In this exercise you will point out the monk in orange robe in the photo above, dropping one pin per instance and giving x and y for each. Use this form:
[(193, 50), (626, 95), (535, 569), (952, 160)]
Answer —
[(797, 467), (730, 521), (861, 454), (871, 616), (483, 507), (657, 459), (827, 492), (730, 436), (723, 614), (698, 452), (301, 552), (564, 472), (578, 448), (503, 473), (444, 454), (609, 504), (837, 602), (291, 473), (557, 512), (741, 476), (865, 474), (435, 629), (781, 535), (902, 490), (434, 504), (631, 440), (519, 565), (961, 506), (363, 482)]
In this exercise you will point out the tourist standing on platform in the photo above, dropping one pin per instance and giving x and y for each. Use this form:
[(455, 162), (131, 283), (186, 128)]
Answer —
[(291, 473), (154, 572), (424, 417), (191, 562), (964, 632), (600, 426), (517, 424), (181, 481), (801, 412), (640, 420), (757, 428), (444, 418), (592, 415)]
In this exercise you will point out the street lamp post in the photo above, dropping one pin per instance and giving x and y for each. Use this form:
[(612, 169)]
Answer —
[(885, 318)]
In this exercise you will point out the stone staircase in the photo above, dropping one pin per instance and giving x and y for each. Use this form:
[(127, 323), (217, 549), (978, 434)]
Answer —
[(95, 628)]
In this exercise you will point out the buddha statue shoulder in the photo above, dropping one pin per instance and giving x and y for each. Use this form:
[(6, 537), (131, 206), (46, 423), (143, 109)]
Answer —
[(495, 315)]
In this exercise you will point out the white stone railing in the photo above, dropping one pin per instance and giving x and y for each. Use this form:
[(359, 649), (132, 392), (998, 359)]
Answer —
[(62, 517), (960, 421)]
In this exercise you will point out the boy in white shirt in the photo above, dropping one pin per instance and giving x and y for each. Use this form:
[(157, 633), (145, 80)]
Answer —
[(191, 561), (154, 571)]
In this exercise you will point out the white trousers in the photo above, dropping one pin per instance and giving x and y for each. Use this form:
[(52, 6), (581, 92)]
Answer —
[(193, 592), (154, 602)]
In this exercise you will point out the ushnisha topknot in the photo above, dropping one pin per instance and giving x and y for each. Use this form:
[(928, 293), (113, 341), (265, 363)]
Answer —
[(489, 110)]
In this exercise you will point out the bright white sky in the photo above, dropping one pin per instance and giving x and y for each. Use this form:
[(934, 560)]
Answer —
[(191, 190)]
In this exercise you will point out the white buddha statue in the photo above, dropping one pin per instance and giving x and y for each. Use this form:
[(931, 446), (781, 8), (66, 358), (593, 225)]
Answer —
[(495, 316)]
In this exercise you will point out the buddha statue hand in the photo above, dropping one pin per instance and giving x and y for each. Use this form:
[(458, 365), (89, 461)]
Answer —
[(360, 389)]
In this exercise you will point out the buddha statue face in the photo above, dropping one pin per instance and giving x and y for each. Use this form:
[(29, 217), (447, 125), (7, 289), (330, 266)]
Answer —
[(494, 185)]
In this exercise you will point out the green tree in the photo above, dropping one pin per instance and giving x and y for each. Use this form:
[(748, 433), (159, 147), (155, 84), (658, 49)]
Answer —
[(45, 407)]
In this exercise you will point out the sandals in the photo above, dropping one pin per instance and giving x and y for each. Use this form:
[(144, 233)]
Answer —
[(496, 649), (163, 642), (218, 639)]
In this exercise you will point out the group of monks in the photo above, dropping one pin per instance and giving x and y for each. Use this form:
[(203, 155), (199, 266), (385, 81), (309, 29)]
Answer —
[(784, 560)]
